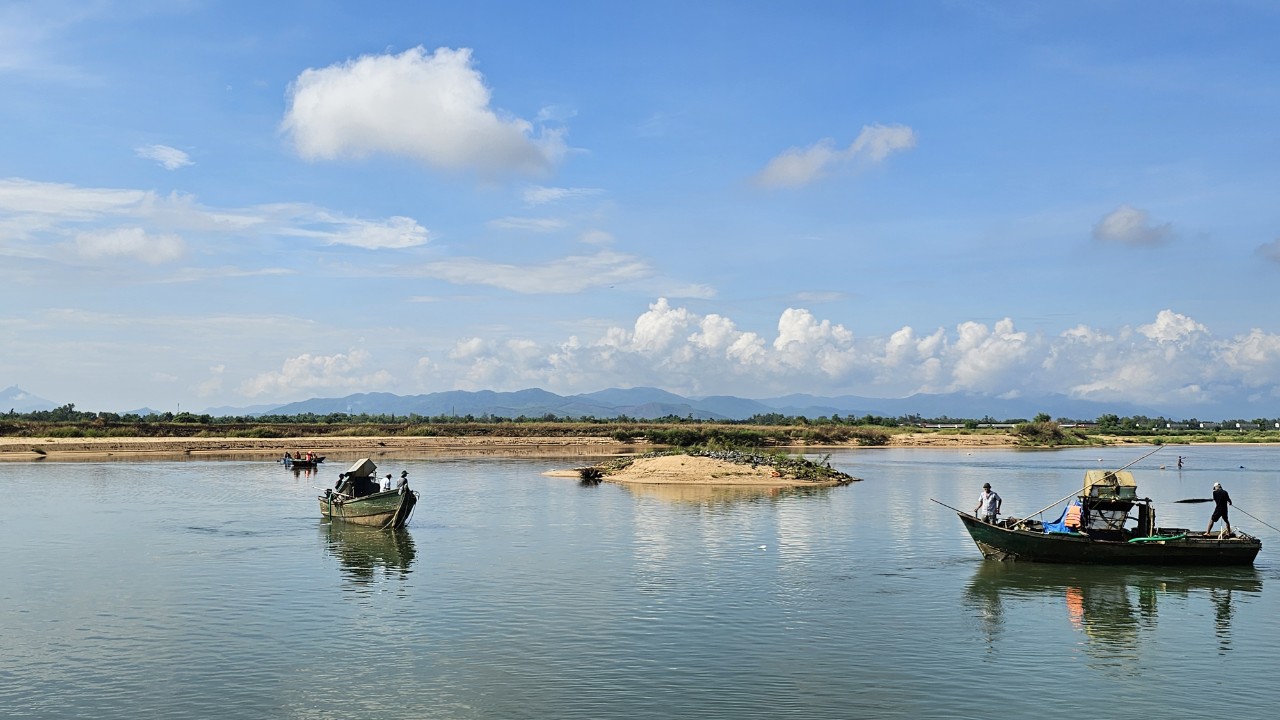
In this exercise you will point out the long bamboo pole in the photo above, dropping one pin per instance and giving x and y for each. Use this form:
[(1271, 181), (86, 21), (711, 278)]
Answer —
[(1065, 497)]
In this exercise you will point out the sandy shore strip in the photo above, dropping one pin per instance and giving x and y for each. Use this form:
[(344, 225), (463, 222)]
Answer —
[(28, 448), (334, 448)]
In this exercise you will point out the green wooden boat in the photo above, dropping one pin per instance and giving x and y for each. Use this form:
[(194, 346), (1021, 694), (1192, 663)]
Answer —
[(1095, 529), (357, 499)]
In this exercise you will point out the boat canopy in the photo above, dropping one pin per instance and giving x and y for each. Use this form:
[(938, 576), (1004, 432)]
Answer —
[(363, 468), (1110, 485)]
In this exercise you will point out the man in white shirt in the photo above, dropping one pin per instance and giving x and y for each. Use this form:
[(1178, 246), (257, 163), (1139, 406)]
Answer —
[(988, 504)]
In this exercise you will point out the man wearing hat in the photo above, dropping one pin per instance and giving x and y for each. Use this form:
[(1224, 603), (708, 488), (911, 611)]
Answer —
[(988, 504), (1221, 500), (403, 484)]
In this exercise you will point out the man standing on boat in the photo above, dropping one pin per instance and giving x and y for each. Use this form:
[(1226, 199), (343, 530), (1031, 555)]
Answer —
[(988, 504), (1221, 500)]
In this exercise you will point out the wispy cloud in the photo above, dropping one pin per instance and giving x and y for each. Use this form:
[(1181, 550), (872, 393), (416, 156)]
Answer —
[(528, 224), (32, 38), (1270, 251), (537, 195), (565, 275), (106, 222), (395, 232), (130, 242), (803, 165), (169, 158)]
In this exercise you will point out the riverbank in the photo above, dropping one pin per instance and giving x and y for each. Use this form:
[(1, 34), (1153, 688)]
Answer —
[(27, 449), (335, 448)]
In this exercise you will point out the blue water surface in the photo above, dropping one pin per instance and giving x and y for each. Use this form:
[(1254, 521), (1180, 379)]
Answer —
[(213, 589)]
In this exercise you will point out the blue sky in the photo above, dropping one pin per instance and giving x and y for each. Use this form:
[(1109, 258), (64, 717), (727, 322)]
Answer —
[(209, 204)]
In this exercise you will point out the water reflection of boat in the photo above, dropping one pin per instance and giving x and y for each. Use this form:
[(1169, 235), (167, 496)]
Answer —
[(363, 552), (1094, 529), (1111, 605)]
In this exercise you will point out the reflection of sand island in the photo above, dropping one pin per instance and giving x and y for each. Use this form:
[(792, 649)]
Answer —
[(694, 470)]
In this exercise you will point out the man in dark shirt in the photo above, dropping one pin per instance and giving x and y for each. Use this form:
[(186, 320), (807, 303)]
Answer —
[(1221, 500)]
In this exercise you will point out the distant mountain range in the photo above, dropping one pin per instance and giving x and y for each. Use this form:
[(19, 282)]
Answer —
[(18, 400), (648, 403)]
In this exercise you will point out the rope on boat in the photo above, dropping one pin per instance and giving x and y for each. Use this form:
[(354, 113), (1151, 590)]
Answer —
[(1273, 527), (400, 517)]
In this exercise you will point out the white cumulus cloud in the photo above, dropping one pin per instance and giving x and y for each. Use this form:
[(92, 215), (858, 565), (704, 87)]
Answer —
[(309, 373), (675, 348), (1172, 327), (1130, 226), (434, 107)]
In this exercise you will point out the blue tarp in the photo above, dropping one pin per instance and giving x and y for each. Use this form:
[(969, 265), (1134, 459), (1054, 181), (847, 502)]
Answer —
[(1059, 526)]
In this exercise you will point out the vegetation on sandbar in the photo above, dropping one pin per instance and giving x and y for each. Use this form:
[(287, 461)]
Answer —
[(783, 464)]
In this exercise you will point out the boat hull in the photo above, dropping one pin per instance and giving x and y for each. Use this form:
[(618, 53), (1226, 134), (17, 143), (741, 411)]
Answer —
[(1002, 543), (301, 464), (387, 510)]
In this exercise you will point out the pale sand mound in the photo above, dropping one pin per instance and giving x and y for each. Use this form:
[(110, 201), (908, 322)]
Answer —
[(694, 470)]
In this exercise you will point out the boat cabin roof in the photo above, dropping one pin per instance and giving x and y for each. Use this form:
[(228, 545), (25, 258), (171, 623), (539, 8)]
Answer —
[(1110, 485)]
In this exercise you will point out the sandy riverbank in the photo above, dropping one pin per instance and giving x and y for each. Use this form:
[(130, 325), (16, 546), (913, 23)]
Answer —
[(334, 448), (12, 448)]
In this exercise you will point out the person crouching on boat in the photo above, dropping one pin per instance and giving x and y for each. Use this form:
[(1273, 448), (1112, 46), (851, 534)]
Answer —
[(988, 504), (403, 484), (386, 483), (1221, 500)]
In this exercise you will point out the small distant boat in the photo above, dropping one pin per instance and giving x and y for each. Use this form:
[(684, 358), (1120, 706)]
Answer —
[(358, 499), (1094, 529), (301, 462)]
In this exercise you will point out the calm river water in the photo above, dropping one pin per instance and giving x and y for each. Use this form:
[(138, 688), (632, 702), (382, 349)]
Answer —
[(211, 589)]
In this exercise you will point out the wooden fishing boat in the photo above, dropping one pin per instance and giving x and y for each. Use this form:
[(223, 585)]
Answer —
[(357, 499), (1095, 528), (301, 463)]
